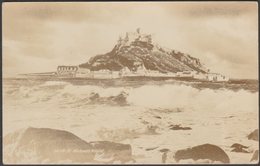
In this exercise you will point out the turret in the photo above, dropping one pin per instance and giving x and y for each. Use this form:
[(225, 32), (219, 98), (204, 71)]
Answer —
[(120, 40), (126, 37), (149, 38), (138, 30)]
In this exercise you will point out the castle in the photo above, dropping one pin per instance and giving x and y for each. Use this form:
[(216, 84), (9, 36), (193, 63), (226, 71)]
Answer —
[(130, 38), (135, 36)]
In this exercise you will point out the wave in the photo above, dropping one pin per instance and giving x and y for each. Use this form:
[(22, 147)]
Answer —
[(152, 96), (182, 96), (53, 83)]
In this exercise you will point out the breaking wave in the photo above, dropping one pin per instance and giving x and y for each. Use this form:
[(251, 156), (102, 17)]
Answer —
[(150, 96), (54, 83), (182, 96)]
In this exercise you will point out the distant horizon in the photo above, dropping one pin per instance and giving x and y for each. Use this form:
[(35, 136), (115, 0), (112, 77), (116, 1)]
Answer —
[(17, 76)]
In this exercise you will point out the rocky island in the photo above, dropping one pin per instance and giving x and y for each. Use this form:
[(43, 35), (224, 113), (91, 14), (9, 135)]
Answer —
[(137, 55)]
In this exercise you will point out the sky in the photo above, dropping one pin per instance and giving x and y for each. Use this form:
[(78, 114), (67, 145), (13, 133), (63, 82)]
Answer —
[(39, 36)]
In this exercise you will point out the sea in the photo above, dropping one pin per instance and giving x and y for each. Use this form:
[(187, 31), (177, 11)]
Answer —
[(138, 112)]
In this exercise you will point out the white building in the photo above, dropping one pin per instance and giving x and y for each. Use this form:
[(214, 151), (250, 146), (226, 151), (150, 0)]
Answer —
[(67, 71), (200, 76), (115, 74), (141, 70), (153, 73), (84, 73), (102, 74), (124, 72), (215, 77)]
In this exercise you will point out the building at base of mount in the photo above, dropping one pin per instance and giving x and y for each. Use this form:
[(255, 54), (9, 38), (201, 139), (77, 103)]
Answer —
[(78, 72)]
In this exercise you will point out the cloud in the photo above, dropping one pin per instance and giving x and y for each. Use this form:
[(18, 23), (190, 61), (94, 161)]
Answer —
[(199, 10), (223, 35)]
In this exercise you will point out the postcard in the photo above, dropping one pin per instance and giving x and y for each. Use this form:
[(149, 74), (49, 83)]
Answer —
[(130, 83)]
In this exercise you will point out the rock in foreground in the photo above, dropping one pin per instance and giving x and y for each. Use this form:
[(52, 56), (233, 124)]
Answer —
[(116, 151), (255, 156), (254, 135), (44, 145), (179, 127), (239, 148), (205, 151)]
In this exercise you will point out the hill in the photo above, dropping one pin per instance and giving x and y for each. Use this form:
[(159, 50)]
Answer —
[(138, 51)]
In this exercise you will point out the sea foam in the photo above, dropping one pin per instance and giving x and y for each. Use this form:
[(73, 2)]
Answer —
[(151, 96)]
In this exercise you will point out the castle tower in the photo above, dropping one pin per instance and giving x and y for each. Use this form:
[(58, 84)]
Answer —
[(138, 30), (126, 37), (120, 40), (149, 38)]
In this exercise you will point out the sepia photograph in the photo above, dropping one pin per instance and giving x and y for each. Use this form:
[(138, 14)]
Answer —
[(130, 82)]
